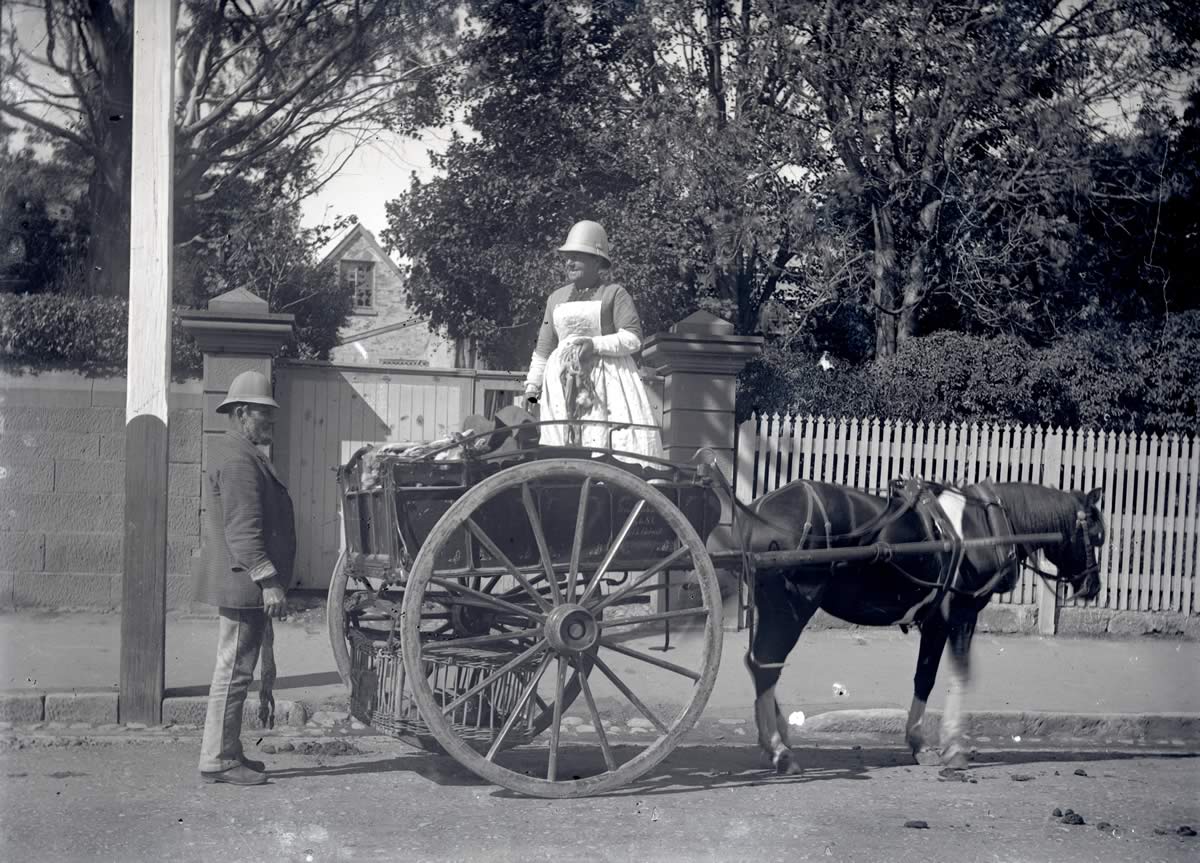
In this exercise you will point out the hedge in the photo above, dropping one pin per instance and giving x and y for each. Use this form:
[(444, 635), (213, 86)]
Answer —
[(1136, 378), (87, 333)]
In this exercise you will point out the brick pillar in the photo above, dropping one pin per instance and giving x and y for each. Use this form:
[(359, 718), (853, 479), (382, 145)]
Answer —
[(237, 333), (699, 359)]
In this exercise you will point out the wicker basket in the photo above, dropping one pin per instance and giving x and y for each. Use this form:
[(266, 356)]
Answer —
[(380, 697)]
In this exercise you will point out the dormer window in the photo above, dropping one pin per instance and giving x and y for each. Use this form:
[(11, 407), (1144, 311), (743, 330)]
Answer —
[(360, 276)]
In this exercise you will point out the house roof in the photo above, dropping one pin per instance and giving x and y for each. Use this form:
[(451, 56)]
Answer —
[(357, 232)]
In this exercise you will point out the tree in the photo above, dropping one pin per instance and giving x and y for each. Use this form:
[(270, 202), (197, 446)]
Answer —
[(42, 240), (1139, 228), (591, 113), (257, 93), (928, 162), (963, 131), (539, 89), (248, 240)]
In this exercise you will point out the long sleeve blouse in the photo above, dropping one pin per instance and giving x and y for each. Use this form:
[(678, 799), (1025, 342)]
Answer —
[(620, 327)]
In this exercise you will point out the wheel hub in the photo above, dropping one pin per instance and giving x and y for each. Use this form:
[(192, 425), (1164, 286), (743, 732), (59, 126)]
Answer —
[(571, 629)]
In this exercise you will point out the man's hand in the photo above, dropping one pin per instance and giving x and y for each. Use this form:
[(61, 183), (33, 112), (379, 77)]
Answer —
[(274, 599)]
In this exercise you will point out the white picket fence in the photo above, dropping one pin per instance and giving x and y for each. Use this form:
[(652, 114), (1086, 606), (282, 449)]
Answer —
[(1151, 485)]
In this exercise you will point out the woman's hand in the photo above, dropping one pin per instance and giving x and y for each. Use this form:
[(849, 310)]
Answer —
[(587, 348)]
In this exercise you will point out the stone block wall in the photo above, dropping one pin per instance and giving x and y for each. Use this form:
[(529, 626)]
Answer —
[(62, 484)]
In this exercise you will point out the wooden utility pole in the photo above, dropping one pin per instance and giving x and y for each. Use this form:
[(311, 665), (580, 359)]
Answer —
[(144, 582)]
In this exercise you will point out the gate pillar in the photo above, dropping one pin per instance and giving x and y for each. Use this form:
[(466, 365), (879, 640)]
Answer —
[(236, 333), (699, 359)]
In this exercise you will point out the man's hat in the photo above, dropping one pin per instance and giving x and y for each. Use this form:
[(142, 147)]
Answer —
[(248, 388)]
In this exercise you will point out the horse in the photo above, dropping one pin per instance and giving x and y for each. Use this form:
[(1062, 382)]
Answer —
[(942, 594)]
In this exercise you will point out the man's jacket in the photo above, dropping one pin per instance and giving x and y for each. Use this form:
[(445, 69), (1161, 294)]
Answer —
[(249, 526)]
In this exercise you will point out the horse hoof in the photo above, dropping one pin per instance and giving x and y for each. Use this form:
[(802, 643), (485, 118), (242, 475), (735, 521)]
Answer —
[(927, 757), (955, 759), (784, 764)]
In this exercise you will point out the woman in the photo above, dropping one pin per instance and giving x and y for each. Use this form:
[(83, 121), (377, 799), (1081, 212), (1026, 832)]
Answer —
[(582, 367)]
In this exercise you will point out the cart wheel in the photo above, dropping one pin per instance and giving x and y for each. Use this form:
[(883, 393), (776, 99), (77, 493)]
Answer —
[(335, 617), (564, 620), (361, 602), (347, 607)]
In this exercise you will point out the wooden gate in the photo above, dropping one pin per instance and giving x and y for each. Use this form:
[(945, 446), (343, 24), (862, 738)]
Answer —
[(328, 412)]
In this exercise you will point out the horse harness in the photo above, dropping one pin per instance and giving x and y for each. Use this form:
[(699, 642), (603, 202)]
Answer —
[(920, 496)]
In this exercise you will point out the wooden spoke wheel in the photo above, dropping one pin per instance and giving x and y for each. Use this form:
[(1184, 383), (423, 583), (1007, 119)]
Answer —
[(356, 601), (363, 605), (575, 608)]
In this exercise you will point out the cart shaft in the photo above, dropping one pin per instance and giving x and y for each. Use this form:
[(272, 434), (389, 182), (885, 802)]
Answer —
[(875, 551)]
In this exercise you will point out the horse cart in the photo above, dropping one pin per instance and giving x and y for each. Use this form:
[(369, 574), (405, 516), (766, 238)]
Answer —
[(485, 599)]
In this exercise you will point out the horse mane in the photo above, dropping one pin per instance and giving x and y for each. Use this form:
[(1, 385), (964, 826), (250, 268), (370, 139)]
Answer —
[(1037, 509)]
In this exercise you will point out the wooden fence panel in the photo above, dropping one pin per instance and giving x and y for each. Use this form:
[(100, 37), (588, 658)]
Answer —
[(329, 412)]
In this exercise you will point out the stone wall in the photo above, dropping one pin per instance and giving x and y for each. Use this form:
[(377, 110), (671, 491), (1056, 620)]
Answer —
[(391, 307), (62, 477)]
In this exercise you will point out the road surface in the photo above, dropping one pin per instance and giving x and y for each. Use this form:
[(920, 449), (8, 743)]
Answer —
[(371, 798)]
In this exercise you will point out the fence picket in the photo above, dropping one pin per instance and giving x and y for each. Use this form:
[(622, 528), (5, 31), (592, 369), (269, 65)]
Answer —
[(1121, 523), (771, 466), (1078, 480), (1149, 587), (971, 455), (764, 457), (1104, 444), (1170, 585), (1149, 527), (808, 459), (1142, 501), (1188, 487), (1191, 528), (875, 454), (903, 462), (852, 447)]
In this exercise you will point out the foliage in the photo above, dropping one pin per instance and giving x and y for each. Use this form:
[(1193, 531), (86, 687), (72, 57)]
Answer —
[(257, 93), (927, 163), (963, 133), (249, 240), (87, 333), (42, 238), (1140, 223), (1127, 378), (698, 212), (481, 236)]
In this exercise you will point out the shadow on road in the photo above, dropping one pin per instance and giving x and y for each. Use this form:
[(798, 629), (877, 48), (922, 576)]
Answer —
[(703, 768)]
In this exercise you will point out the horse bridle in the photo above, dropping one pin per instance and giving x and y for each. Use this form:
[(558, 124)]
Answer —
[(1081, 526)]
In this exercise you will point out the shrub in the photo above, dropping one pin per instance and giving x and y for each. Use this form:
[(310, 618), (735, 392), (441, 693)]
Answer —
[(89, 333), (1140, 378)]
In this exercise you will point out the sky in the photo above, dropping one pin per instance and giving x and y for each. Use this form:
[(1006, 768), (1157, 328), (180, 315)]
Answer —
[(375, 173)]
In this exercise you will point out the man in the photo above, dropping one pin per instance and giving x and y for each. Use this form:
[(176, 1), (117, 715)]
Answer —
[(246, 568)]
